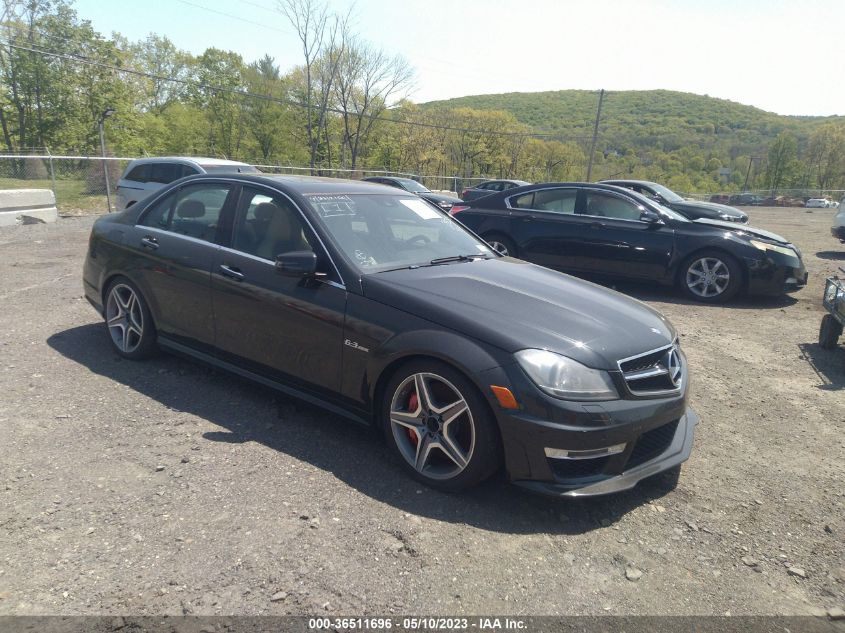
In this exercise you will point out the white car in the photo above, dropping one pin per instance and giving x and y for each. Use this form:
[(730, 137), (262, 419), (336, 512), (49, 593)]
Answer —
[(838, 228), (817, 203), (145, 175)]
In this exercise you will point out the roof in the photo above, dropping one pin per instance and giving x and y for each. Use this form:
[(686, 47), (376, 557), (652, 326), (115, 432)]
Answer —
[(201, 160), (308, 185), (629, 182)]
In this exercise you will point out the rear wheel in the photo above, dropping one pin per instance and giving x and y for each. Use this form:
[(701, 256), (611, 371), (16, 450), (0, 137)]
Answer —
[(829, 332), (440, 427), (501, 244), (711, 277), (129, 321)]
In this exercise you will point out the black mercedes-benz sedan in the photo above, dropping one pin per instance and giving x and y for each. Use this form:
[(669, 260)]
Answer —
[(375, 305), (690, 209), (603, 230)]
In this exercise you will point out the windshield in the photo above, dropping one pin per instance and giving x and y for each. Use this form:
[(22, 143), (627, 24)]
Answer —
[(385, 232), (667, 194), (412, 185), (674, 215), (236, 169)]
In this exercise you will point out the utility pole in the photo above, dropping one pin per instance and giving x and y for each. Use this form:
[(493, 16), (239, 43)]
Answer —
[(106, 114), (751, 159), (595, 137)]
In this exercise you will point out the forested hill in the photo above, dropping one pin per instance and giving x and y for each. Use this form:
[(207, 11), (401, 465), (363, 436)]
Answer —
[(648, 119)]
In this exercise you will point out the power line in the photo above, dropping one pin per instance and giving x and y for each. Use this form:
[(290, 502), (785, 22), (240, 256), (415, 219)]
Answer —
[(245, 93), (236, 17)]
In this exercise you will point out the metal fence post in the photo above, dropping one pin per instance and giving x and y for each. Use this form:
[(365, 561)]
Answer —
[(52, 175)]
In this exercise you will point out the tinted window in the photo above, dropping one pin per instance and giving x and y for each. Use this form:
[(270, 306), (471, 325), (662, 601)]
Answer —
[(268, 226), (382, 232), (140, 173), (187, 170), (165, 173), (555, 200), (193, 211), (607, 206), (525, 201)]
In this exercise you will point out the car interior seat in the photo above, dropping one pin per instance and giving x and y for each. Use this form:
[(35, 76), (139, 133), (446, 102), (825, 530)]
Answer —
[(283, 234)]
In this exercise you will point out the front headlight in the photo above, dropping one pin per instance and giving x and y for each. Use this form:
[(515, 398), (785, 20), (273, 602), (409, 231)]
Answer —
[(763, 246), (563, 377)]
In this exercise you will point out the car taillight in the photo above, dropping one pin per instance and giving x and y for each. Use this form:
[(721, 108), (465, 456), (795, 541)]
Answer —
[(464, 193), (458, 208)]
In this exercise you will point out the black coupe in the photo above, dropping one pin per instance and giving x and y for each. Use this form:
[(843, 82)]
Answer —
[(588, 228), (374, 304), (690, 209)]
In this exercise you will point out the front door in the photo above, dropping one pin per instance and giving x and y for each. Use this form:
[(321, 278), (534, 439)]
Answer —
[(289, 328), (546, 229), (618, 243)]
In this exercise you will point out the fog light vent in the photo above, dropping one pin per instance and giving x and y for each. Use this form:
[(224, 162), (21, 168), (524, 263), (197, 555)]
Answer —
[(564, 453)]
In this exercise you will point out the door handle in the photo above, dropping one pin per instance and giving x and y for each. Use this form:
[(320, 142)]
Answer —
[(528, 218), (148, 241), (597, 225), (232, 273)]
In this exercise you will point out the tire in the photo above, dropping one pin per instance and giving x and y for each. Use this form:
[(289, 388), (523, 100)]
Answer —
[(829, 332), (501, 244), (710, 276), (450, 454), (128, 320)]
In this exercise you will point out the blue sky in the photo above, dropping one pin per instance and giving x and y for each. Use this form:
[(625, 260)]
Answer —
[(778, 55)]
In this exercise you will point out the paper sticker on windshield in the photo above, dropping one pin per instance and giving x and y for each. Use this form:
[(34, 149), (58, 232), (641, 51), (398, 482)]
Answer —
[(422, 209), (331, 206)]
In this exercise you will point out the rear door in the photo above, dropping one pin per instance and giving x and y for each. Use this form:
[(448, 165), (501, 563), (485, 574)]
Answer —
[(289, 328), (176, 243), (617, 242), (545, 228)]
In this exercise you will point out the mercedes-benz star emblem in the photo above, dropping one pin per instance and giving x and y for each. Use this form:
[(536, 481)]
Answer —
[(673, 365)]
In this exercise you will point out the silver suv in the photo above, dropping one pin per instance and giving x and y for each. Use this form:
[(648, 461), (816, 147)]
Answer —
[(145, 175)]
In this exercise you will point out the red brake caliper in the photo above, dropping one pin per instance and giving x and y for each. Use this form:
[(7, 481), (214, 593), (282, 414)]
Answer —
[(413, 403)]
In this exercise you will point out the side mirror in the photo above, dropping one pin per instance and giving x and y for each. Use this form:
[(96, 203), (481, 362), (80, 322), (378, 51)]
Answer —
[(650, 217), (297, 264)]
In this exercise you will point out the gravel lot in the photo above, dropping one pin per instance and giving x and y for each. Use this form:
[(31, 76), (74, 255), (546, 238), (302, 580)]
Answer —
[(165, 487)]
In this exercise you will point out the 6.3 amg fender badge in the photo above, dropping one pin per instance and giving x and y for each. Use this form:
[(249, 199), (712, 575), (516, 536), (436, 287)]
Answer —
[(355, 345)]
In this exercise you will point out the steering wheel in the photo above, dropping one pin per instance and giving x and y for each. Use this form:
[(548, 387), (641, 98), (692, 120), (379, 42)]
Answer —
[(418, 238)]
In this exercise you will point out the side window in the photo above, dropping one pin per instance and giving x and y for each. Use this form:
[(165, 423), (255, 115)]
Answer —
[(556, 200), (605, 206), (158, 216), (140, 173), (165, 173), (196, 211), (525, 201), (187, 170), (268, 226)]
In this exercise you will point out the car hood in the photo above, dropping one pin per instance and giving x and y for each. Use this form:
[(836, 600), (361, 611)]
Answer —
[(715, 207), (743, 229), (515, 305), (439, 197)]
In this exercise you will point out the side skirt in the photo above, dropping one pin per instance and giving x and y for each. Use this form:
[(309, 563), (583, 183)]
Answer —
[(267, 382)]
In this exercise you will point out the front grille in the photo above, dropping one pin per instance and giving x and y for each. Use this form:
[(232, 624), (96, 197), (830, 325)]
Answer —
[(578, 468), (654, 373), (652, 443)]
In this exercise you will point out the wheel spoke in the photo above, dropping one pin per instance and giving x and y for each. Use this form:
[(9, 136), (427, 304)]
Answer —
[(453, 451), (423, 451), (126, 339), (423, 395), (705, 266), (116, 320), (452, 411)]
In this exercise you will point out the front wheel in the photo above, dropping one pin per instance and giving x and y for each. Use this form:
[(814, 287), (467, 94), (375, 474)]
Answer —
[(710, 277), (440, 427), (129, 322), (829, 332)]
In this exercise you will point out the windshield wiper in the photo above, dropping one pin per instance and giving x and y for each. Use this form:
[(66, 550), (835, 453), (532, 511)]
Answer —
[(457, 258)]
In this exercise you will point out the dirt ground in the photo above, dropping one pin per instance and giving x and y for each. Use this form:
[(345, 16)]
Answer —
[(165, 487)]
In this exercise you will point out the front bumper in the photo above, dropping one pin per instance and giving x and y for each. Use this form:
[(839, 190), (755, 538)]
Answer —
[(775, 273), (572, 449), (838, 232)]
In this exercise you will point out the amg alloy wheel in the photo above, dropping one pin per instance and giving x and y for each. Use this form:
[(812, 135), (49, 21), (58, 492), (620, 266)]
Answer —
[(440, 427), (129, 321)]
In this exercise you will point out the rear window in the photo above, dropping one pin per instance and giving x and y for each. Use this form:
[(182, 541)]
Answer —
[(139, 173)]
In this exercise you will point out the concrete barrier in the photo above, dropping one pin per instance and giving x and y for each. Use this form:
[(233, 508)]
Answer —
[(27, 206)]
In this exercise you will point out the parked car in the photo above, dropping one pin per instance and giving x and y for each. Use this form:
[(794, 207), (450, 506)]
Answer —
[(599, 229), (817, 203), (690, 209), (381, 308), (489, 186), (146, 175), (412, 186), (838, 228), (744, 199)]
